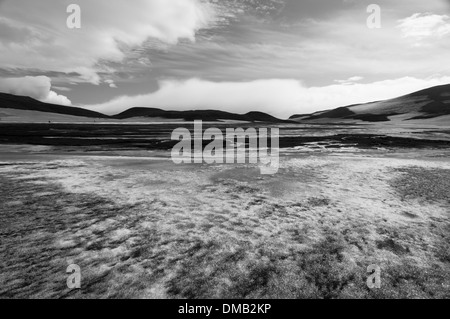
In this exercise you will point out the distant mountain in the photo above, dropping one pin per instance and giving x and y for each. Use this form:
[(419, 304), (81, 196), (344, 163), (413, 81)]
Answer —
[(206, 115), (9, 101), (28, 109), (430, 103), (427, 105)]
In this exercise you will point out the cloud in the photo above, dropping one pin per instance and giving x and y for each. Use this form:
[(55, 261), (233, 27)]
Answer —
[(279, 97), (38, 34), (111, 84), (350, 80), (422, 26), (37, 87), (355, 79)]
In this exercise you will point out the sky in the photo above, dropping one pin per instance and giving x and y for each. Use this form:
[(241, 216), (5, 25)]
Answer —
[(282, 57)]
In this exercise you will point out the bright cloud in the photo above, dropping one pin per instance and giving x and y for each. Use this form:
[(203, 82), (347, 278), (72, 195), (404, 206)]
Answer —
[(281, 98), (421, 26), (111, 83), (39, 37), (351, 80), (37, 87)]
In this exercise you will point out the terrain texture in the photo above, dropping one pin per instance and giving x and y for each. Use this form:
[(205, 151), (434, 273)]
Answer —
[(141, 227)]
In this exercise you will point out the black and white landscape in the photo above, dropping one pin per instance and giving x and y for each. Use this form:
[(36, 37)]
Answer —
[(359, 205)]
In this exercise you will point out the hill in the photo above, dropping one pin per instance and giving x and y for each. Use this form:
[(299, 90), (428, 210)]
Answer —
[(24, 103), (25, 109), (426, 104), (205, 115)]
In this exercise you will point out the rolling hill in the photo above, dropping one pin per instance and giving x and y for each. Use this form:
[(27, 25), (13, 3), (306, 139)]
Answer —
[(25, 109), (24, 103), (206, 115), (426, 104), (429, 105)]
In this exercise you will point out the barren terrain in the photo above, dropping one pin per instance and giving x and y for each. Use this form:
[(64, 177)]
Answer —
[(141, 227)]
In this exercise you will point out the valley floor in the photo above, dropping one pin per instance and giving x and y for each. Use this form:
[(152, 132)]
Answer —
[(146, 228)]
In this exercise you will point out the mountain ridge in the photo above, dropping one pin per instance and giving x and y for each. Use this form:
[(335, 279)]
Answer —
[(191, 115), (427, 103), (25, 103), (17, 102)]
